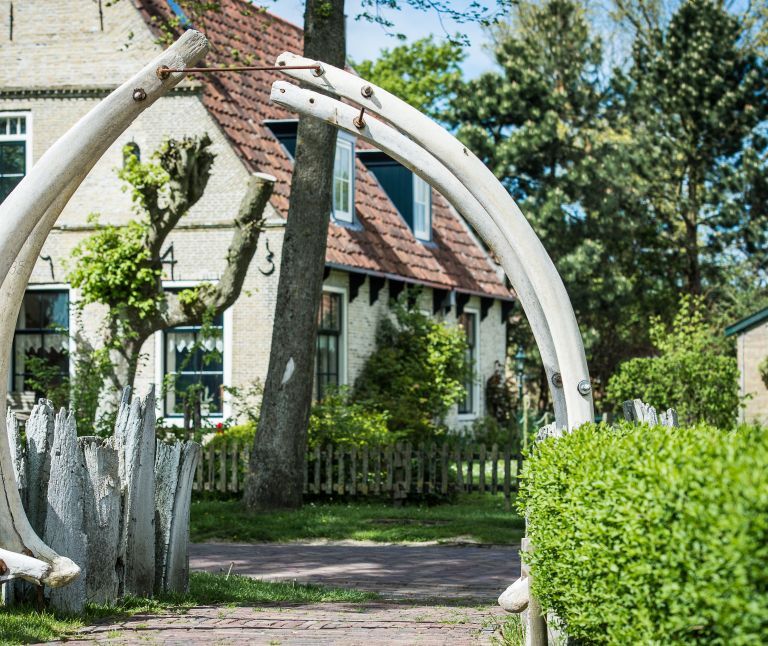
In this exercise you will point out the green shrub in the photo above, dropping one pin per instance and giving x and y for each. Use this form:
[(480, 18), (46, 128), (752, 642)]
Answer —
[(337, 420), (243, 434), (692, 373), (416, 373), (652, 535)]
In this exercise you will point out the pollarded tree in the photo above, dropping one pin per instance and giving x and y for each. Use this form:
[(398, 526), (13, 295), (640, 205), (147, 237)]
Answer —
[(120, 267)]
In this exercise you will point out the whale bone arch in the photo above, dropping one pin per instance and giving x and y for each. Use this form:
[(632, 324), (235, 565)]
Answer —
[(26, 218), (530, 269)]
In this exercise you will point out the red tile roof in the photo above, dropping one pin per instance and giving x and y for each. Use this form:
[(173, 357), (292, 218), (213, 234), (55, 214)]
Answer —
[(241, 33)]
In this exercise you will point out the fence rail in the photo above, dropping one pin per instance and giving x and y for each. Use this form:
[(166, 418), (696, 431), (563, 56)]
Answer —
[(395, 471)]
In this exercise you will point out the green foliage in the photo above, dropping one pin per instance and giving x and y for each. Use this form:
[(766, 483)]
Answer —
[(423, 73), (112, 267), (692, 373), (415, 374), (92, 367), (46, 380), (763, 369), (338, 420), (243, 434), (651, 535)]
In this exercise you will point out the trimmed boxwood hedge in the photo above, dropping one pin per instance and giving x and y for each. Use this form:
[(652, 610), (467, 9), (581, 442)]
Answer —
[(651, 535)]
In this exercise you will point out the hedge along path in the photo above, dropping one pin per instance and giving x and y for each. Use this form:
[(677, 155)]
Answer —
[(118, 506)]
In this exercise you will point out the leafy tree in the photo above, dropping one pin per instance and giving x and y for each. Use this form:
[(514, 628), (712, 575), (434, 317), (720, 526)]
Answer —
[(424, 73), (693, 371), (120, 266), (416, 373), (696, 102)]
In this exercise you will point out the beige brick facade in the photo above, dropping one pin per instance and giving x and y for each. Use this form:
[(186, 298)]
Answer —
[(59, 64), (752, 349)]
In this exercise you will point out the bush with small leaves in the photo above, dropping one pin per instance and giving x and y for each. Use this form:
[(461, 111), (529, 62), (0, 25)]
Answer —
[(651, 535)]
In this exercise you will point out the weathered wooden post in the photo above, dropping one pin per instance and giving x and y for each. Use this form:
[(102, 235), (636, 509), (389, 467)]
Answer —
[(26, 218)]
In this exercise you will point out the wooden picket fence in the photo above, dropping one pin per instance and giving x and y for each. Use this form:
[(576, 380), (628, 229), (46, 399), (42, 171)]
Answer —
[(396, 471)]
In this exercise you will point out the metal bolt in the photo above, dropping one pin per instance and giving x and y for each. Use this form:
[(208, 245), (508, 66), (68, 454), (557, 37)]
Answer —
[(318, 71), (3, 568), (366, 91), (557, 380), (358, 120), (584, 387), (139, 94), (163, 72)]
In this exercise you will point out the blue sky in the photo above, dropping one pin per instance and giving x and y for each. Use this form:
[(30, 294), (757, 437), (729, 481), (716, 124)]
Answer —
[(365, 40)]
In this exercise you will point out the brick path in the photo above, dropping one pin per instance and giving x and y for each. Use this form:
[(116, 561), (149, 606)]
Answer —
[(431, 595)]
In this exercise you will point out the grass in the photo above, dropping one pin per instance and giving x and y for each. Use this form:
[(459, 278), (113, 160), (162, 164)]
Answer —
[(475, 518), (23, 624)]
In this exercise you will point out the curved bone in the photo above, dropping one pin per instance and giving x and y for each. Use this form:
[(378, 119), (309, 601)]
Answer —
[(410, 154), (26, 218), (480, 181)]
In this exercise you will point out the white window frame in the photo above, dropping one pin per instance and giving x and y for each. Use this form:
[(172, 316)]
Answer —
[(343, 345), (423, 234), (475, 412), (26, 137), (226, 407), (52, 287), (347, 215)]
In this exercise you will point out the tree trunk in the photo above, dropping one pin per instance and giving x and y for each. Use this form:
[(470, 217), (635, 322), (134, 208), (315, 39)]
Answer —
[(275, 475)]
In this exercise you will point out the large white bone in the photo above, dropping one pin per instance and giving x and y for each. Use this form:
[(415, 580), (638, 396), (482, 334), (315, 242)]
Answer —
[(548, 288), (421, 162), (26, 218)]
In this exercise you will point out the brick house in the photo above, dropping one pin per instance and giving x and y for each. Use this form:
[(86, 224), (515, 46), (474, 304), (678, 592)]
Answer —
[(388, 229), (751, 350)]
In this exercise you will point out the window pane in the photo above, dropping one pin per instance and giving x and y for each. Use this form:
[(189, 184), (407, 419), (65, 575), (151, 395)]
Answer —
[(13, 158), (194, 360), (342, 181)]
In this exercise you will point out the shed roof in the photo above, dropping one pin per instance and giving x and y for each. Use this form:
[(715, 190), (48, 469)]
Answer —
[(747, 323)]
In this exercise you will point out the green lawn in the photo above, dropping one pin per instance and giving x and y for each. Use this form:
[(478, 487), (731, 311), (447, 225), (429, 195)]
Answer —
[(476, 518), (22, 625)]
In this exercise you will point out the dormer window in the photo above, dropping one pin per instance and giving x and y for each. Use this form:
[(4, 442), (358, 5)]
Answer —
[(343, 180), (422, 209)]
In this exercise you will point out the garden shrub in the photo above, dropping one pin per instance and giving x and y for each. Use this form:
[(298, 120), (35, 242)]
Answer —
[(651, 535), (337, 420), (415, 374), (223, 435), (693, 372)]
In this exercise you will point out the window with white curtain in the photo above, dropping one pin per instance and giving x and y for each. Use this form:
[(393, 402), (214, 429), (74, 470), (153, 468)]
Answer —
[(343, 181), (422, 209), (41, 339), (15, 153), (194, 357)]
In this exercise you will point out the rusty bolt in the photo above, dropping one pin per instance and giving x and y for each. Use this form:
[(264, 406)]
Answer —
[(163, 72), (557, 380), (3, 568), (139, 94), (366, 91), (358, 120), (318, 71), (27, 552)]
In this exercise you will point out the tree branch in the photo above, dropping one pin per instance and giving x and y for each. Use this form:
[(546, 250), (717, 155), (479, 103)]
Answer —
[(245, 239)]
